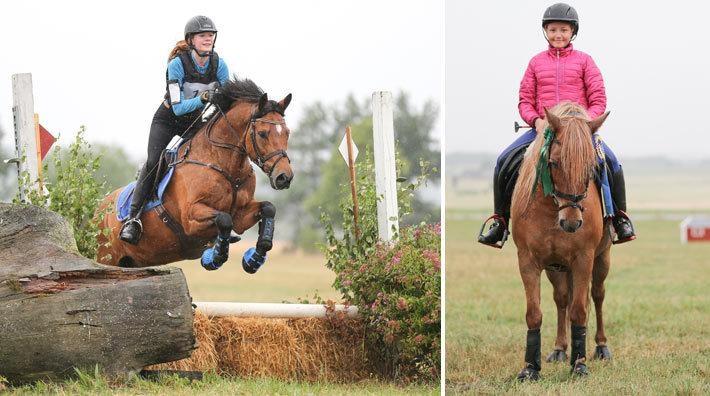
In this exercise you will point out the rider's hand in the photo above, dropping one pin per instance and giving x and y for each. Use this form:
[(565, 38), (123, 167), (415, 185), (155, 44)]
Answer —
[(539, 124), (206, 96)]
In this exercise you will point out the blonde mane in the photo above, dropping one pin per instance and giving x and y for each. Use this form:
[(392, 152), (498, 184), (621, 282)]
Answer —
[(577, 155)]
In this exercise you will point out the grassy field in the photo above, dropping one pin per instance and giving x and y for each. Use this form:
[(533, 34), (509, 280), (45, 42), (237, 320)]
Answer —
[(212, 385), (657, 307)]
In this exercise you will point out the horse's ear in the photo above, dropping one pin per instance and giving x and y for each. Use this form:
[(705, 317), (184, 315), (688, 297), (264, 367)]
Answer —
[(596, 123), (553, 120), (263, 100), (284, 102)]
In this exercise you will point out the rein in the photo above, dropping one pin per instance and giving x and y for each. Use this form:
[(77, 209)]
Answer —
[(542, 172)]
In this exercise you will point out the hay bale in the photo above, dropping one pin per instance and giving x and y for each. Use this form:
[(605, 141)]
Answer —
[(306, 349)]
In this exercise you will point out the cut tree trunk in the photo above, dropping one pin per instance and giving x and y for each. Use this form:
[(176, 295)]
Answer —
[(60, 311)]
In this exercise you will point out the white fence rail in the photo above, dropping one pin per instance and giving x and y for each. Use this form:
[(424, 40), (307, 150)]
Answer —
[(270, 310)]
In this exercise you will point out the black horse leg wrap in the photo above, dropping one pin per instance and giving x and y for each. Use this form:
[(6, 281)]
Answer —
[(579, 345), (266, 228), (532, 350)]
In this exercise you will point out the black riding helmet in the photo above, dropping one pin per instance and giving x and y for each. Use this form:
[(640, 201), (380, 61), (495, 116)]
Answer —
[(199, 24), (561, 12)]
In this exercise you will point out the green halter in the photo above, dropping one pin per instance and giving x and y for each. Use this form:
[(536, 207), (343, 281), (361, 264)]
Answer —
[(543, 168)]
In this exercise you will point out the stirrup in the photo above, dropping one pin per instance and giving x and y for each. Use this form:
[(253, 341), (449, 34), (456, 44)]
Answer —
[(137, 238), (505, 232), (628, 239)]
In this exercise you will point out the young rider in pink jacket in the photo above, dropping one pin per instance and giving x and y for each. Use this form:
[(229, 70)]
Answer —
[(557, 74)]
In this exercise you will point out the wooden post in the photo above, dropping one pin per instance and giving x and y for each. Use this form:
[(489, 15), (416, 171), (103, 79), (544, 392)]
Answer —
[(353, 180), (385, 175), (25, 135), (39, 153)]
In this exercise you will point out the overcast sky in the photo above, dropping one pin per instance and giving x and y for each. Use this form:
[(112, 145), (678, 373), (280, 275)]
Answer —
[(102, 64), (654, 57)]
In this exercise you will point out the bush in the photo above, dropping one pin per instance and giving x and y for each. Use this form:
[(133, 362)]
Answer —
[(74, 194), (396, 286)]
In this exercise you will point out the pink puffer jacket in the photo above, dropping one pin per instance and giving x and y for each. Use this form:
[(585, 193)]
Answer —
[(556, 75)]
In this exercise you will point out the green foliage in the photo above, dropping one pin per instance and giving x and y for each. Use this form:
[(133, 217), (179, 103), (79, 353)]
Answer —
[(320, 169), (74, 193), (397, 286)]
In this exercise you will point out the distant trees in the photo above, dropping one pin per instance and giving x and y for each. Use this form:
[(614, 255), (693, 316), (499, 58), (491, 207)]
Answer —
[(320, 170)]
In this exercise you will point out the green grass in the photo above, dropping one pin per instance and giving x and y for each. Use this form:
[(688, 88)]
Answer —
[(92, 384), (657, 313)]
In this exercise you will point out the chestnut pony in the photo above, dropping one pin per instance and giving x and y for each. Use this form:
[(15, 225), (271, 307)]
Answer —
[(558, 227), (211, 192)]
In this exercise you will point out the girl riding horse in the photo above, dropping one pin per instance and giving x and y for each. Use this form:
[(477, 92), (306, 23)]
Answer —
[(557, 74)]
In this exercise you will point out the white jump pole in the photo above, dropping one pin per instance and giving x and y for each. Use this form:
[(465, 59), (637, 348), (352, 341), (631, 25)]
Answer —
[(385, 175), (269, 310), (25, 133)]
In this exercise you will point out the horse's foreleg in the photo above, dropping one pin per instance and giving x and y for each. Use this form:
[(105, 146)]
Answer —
[(214, 257), (581, 274), (599, 274), (264, 213), (561, 296), (530, 275), (200, 222)]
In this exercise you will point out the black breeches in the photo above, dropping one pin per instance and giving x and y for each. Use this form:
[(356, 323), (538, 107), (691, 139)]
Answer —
[(164, 126)]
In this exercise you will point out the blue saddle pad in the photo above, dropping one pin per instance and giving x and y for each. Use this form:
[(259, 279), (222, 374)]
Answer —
[(123, 203)]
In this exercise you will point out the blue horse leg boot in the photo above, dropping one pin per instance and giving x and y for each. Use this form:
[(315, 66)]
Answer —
[(214, 257), (253, 260)]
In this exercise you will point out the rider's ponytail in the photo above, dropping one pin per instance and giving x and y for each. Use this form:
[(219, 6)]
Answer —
[(179, 47)]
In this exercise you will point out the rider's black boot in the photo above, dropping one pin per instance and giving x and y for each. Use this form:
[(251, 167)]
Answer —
[(621, 222), (132, 229), (498, 232)]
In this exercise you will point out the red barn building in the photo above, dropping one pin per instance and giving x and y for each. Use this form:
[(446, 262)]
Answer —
[(695, 229)]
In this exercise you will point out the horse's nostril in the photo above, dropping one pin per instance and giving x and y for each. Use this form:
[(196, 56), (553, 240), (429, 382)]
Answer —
[(283, 181)]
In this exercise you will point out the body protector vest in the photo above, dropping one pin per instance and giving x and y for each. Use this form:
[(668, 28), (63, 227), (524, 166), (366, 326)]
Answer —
[(195, 82)]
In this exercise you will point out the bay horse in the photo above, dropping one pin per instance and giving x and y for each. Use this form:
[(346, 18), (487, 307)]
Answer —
[(558, 227), (211, 193)]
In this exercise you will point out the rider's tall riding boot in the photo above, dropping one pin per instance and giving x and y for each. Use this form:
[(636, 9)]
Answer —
[(498, 232), (133, 228), (622, 224)]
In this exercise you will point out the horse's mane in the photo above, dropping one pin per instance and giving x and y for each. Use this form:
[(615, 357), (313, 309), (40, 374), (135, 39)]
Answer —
[(241, 89), (577, 155)]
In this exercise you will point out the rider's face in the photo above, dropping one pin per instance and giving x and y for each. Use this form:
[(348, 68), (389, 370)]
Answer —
[(559, 34), (203, 41)]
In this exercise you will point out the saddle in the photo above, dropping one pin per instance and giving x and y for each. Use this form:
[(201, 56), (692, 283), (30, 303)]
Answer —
[(166, 168), (509, 170)]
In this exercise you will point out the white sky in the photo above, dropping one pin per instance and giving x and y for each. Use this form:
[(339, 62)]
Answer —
[(654, 57), (102, 64)]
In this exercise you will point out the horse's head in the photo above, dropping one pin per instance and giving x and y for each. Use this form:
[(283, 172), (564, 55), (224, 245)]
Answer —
[(571, 160), (266, 141)]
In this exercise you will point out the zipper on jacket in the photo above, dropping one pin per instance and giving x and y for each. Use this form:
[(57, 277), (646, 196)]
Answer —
[(557, 78)]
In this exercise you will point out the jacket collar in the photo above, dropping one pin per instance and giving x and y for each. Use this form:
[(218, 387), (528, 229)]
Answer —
[(563, 52)]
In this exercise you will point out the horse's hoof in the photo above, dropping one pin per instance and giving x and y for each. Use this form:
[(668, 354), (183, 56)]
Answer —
[(253, 260), (210, 261), (580, 370), (234, 237), (602, 352), (558, 355), (529, 374)]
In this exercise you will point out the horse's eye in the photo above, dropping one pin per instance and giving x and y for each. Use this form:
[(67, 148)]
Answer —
[(264, 134), (554, 164)]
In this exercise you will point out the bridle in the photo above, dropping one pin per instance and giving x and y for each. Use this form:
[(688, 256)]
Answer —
[(548, 184), (261, 159)]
